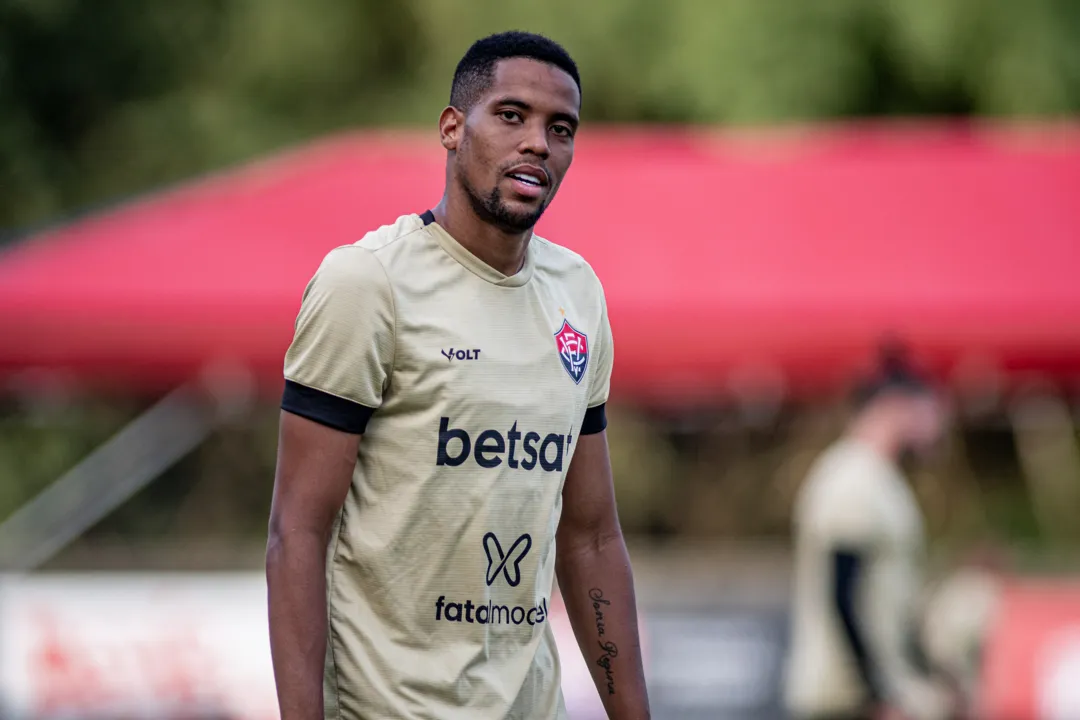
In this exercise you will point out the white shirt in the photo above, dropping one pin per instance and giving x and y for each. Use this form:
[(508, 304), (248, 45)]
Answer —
[(857, 500)]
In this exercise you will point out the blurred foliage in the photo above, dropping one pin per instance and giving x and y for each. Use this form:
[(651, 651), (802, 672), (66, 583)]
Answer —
[(713, 474), (41, 441), (104, 99)]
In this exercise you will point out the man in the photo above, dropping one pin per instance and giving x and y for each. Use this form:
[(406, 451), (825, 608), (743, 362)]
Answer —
[(859, 536), (474, 359)]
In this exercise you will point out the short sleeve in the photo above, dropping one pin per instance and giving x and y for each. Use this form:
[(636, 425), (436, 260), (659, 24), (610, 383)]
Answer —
[(837, 506), (600, 382), (855, 529), (851, 521), (341, 356)]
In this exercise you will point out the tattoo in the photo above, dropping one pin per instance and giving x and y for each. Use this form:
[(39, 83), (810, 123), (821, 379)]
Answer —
[(610, 651), (598, 599)]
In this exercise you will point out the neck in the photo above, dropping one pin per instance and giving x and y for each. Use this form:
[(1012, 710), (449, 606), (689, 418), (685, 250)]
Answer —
[(877, 434), (501, 250)]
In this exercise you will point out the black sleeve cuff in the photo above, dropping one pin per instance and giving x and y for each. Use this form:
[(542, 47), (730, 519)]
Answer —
[(847, 568), (595, 420), (325, 409)]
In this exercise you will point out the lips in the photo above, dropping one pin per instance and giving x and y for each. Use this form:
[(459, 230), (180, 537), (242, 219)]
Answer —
[(528, 182), (529, 175)]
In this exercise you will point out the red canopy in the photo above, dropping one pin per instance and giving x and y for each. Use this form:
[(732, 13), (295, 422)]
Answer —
[(780, 257)]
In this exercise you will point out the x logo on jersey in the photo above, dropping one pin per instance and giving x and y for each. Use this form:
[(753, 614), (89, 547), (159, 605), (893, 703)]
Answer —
[(509, 563)]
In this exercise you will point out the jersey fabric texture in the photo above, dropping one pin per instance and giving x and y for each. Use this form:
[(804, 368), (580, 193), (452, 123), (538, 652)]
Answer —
[(471, 390), (856, 507)]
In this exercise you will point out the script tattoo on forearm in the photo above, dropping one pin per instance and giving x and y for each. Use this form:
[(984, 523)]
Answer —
[(609, 650)]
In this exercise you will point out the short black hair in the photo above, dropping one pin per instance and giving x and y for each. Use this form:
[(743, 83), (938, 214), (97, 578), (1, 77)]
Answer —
[(895, 373), (476, 69)]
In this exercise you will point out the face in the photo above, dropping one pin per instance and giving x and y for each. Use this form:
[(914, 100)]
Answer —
[(513, 147), (927, 416)]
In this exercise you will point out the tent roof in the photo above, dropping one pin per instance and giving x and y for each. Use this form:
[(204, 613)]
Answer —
[(780, 257)]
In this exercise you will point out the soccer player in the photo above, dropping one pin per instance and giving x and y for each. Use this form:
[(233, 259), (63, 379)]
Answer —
[(442, 451), (858, 545)]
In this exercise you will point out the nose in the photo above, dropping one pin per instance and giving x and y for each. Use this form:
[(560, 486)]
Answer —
[(534, 140)]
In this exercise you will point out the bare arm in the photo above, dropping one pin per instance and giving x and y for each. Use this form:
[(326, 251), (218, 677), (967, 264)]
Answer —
[(596, 582), (314, 471)]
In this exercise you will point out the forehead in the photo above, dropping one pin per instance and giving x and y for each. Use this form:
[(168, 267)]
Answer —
[(540, 84)]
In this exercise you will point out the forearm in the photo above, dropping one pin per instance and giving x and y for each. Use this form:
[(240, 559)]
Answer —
[(597, 588), (903, 684), (296, 585)]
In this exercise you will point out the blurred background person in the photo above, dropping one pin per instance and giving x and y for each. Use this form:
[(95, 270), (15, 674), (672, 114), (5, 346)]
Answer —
[(859, 547)]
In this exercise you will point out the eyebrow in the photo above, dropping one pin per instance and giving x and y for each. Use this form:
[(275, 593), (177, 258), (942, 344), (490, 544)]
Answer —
[(522, 105)]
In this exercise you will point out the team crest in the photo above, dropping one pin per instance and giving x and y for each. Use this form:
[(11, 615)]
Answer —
[(573, 349)]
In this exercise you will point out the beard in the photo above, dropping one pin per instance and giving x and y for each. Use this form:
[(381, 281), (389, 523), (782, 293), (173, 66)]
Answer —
[(493, 210)]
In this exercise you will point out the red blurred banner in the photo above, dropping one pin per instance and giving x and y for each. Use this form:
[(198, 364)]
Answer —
[(1031, 664), (772, 262)]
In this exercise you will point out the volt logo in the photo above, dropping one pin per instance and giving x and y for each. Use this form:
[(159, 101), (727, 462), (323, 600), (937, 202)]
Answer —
[(509, 564), (461, 354)]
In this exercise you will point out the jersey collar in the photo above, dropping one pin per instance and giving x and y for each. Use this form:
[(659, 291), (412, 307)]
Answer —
[(474, 264)]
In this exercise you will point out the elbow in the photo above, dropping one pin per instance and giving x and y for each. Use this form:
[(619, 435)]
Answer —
[(601, 538), (275, 528), (593, 543), (606, 539), (278, 541), (275, 545), (583, 555), (297, 542)]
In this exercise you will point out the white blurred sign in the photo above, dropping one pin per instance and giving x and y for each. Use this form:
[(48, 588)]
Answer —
[(1059, 677), (143, 645), (579, 691)]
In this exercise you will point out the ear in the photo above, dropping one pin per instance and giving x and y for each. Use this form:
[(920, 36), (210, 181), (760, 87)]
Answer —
[(451, 126)]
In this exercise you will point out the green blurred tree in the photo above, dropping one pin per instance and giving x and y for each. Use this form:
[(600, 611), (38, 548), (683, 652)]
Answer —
[(104, 99)]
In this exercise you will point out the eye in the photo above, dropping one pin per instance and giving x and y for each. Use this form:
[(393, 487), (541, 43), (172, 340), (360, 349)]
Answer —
[(510, 115), (562, 131)]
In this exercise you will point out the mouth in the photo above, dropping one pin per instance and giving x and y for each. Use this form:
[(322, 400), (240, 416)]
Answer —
[(528, 180)]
